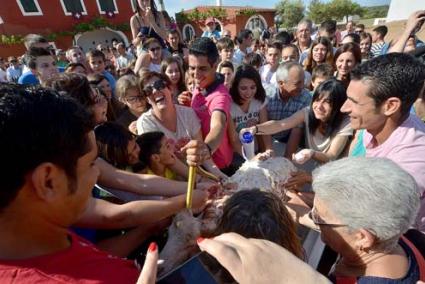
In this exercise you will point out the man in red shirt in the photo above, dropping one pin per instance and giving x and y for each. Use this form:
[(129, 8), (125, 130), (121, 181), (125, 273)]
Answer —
[(47, 171)]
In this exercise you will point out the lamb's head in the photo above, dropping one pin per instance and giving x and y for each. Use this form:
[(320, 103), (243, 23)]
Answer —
[(185, 227), (181, 242)]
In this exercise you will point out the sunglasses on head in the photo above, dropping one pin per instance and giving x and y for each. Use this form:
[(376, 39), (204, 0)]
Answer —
[(157, 85)]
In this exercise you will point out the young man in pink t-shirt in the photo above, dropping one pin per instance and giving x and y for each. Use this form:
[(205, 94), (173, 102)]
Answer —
[(379, 98), (211, 101)]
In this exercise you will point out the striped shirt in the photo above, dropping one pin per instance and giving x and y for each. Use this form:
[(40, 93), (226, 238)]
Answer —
[(278, 109)]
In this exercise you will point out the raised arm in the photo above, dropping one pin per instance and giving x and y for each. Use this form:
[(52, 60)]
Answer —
[(142, 62), (275, 126), (412, 23)]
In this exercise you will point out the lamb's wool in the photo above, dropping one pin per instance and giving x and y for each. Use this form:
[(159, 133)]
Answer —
[(267, 175)]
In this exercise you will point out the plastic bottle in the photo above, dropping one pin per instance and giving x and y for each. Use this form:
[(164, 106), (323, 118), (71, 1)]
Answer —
[(248, 145)]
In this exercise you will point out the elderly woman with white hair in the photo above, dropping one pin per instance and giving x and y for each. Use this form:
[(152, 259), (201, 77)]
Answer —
[(362, 207)]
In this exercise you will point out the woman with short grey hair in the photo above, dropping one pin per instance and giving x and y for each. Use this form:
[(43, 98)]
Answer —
[(362, 207)]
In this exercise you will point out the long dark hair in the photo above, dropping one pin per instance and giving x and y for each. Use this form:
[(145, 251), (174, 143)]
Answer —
[(355, 51), (167, 62), (309, 63), (247, 72), (337, 95), (260, 214), (112, 140), (154, 9)]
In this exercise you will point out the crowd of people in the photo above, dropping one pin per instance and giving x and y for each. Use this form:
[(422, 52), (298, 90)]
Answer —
[(96, 147)]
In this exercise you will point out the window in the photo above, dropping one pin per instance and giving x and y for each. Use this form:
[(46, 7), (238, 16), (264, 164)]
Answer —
[(188, 32), (29, 7), (71, 7), (256, 22), (106, 6)]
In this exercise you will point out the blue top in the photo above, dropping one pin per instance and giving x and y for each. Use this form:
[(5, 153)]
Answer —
[(412, 274), (28, 78), (111, 80), (359, 149)]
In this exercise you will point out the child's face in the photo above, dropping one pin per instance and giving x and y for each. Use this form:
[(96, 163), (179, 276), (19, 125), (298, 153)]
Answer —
[(46, 67), (106, 88), (317, 81), (76, 56), (173, 73), (226, 54), (135, 101), (133, 150), (97, 64), (166, 153), (290, 54), (228, 75), (100, 107)]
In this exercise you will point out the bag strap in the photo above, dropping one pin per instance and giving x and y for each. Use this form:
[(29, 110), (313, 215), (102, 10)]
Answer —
[(419, 258)]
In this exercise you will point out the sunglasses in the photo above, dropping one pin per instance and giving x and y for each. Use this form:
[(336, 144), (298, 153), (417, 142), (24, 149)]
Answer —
[(158, 85), (153, 49)]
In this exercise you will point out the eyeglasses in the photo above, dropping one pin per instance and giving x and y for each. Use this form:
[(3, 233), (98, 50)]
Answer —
[(157, 85), (318, 221), (153, 49), (135, 99)]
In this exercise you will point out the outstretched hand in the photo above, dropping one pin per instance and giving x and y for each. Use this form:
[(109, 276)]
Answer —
[(258, 261)]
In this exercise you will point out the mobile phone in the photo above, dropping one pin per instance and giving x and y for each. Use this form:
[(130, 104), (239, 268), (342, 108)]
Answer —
[(202, 268)]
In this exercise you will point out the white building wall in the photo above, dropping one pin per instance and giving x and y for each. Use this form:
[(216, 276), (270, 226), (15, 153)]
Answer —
[(401, 9)]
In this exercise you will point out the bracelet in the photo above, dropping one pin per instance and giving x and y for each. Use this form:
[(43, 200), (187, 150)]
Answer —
[(256, 129)]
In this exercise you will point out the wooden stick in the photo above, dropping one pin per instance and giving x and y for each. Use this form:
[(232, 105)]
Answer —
[(190, 186)]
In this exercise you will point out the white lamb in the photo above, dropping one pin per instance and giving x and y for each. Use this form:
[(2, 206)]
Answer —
[(266, 175)]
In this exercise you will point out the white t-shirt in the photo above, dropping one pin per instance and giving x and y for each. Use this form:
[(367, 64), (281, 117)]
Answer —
[(318, 141), (188, 125), (246, 119), (268, 77)]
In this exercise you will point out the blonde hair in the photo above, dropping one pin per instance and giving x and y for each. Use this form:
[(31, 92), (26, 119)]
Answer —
[(124, 84)]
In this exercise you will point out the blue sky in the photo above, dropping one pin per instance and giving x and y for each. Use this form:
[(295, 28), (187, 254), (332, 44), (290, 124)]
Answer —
[(173, 6)]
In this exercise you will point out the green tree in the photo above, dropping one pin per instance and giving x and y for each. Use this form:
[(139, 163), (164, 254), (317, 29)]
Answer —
[(335, 9), (319, 11), (291, 11), (345, 8)]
